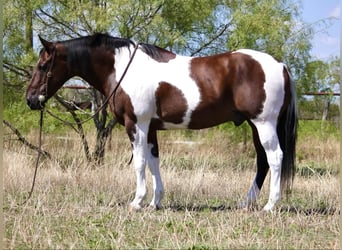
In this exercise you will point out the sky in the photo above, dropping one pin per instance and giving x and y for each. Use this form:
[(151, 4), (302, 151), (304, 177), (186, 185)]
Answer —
[(325, 43)]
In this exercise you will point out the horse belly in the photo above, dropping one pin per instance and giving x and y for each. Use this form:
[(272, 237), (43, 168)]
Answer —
[(213, 115)]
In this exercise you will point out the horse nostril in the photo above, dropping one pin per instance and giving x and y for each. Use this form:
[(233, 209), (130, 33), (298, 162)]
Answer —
[(33, 103)]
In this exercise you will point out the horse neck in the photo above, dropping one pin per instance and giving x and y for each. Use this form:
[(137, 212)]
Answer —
[(95, 67)]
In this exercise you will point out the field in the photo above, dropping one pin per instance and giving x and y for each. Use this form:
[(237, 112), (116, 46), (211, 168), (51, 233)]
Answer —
[(206, 174)]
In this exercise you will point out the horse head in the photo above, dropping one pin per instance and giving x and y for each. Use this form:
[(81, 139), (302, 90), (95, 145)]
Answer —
[(49, 74)]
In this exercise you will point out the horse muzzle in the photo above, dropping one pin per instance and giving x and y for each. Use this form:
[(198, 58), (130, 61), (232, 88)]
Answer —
[(36, 102)]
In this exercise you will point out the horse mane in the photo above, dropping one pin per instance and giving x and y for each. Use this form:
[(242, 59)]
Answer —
[(78, 47), (97, 40), (157, 53)]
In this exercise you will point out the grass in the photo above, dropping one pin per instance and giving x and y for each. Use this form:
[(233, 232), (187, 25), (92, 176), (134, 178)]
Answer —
[(75, 206)]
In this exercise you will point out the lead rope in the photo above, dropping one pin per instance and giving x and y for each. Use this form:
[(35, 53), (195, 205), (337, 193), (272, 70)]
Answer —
[(48, 75), (38, 157)]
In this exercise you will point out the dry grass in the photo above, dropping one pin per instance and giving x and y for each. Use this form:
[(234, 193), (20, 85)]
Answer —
[(75, 206)]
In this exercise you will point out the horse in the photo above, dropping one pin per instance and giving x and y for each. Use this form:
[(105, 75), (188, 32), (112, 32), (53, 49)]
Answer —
[(160, 90)]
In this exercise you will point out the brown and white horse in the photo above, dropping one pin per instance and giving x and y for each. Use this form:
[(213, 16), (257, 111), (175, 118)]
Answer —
[(162, 90)]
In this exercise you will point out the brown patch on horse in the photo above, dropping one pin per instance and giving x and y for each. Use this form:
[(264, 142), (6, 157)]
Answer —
[(231, 87), (157, 53), (171, 103), (249, 94), (121, 106)]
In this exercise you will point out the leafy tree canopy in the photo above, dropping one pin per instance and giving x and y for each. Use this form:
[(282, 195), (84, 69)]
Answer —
[(192, 27)]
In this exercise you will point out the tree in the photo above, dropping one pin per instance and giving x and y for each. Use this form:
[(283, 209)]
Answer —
[(190, 27), (322, 76)]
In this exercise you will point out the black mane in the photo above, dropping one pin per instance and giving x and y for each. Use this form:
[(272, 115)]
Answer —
[(157, 53), (97, 40), (78, 48)]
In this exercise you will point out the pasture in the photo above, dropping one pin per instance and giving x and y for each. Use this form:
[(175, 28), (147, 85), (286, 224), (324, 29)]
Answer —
[(206, 174)]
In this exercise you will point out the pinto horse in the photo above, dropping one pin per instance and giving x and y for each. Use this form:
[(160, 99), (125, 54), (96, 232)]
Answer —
[(163, 90)]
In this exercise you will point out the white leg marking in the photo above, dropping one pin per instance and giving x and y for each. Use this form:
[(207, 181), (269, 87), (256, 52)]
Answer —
[(252, 195), (269, 139), (158, 190), (139, 158)]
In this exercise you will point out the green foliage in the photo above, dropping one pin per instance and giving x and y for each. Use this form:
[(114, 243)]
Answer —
[(25, 120), (317, 129), (320, 75), (20, 116), (186, 27), (312, 109)]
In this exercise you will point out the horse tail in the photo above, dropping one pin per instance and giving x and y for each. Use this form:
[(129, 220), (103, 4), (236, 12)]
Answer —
[(287, 132)]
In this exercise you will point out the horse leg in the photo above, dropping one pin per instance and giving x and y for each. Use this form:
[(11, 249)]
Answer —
[(153, 163), (262, 169), (138, 137), (267, 131)]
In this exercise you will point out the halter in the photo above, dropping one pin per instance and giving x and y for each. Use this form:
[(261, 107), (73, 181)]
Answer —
[(48, 76)]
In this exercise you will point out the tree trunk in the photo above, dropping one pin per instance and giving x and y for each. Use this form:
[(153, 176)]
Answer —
[(326, 109), (28, 28), (102, 130)]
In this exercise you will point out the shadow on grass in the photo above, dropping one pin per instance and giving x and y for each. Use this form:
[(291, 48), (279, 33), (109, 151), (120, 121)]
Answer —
[(199, 208), (310, 211), (282, 209)]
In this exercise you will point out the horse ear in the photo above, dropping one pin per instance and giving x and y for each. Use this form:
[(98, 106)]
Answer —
[(47, 45)]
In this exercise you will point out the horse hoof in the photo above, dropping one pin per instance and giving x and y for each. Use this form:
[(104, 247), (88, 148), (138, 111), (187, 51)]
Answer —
[(247, 207), (134, 208), (153, 208), (268, 208)]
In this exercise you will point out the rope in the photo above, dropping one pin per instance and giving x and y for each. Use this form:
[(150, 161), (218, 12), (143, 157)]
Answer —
[(38, 157)]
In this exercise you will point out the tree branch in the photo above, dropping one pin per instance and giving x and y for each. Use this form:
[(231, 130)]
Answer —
[(79, 129), (17, 70), (60, 22), (205, 45), (24, 141)]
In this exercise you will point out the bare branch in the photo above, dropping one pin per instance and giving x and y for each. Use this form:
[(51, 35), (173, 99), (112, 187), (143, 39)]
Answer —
[(24, 141), (205, 45), (79, 129), (60, 22), (17, 70)]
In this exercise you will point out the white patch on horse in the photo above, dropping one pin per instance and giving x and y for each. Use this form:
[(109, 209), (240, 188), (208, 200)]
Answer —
[(144, 77), (252, 196)]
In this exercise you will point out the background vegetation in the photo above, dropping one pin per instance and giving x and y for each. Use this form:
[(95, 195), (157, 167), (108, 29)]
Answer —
[(206, 173), (186, 27)]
